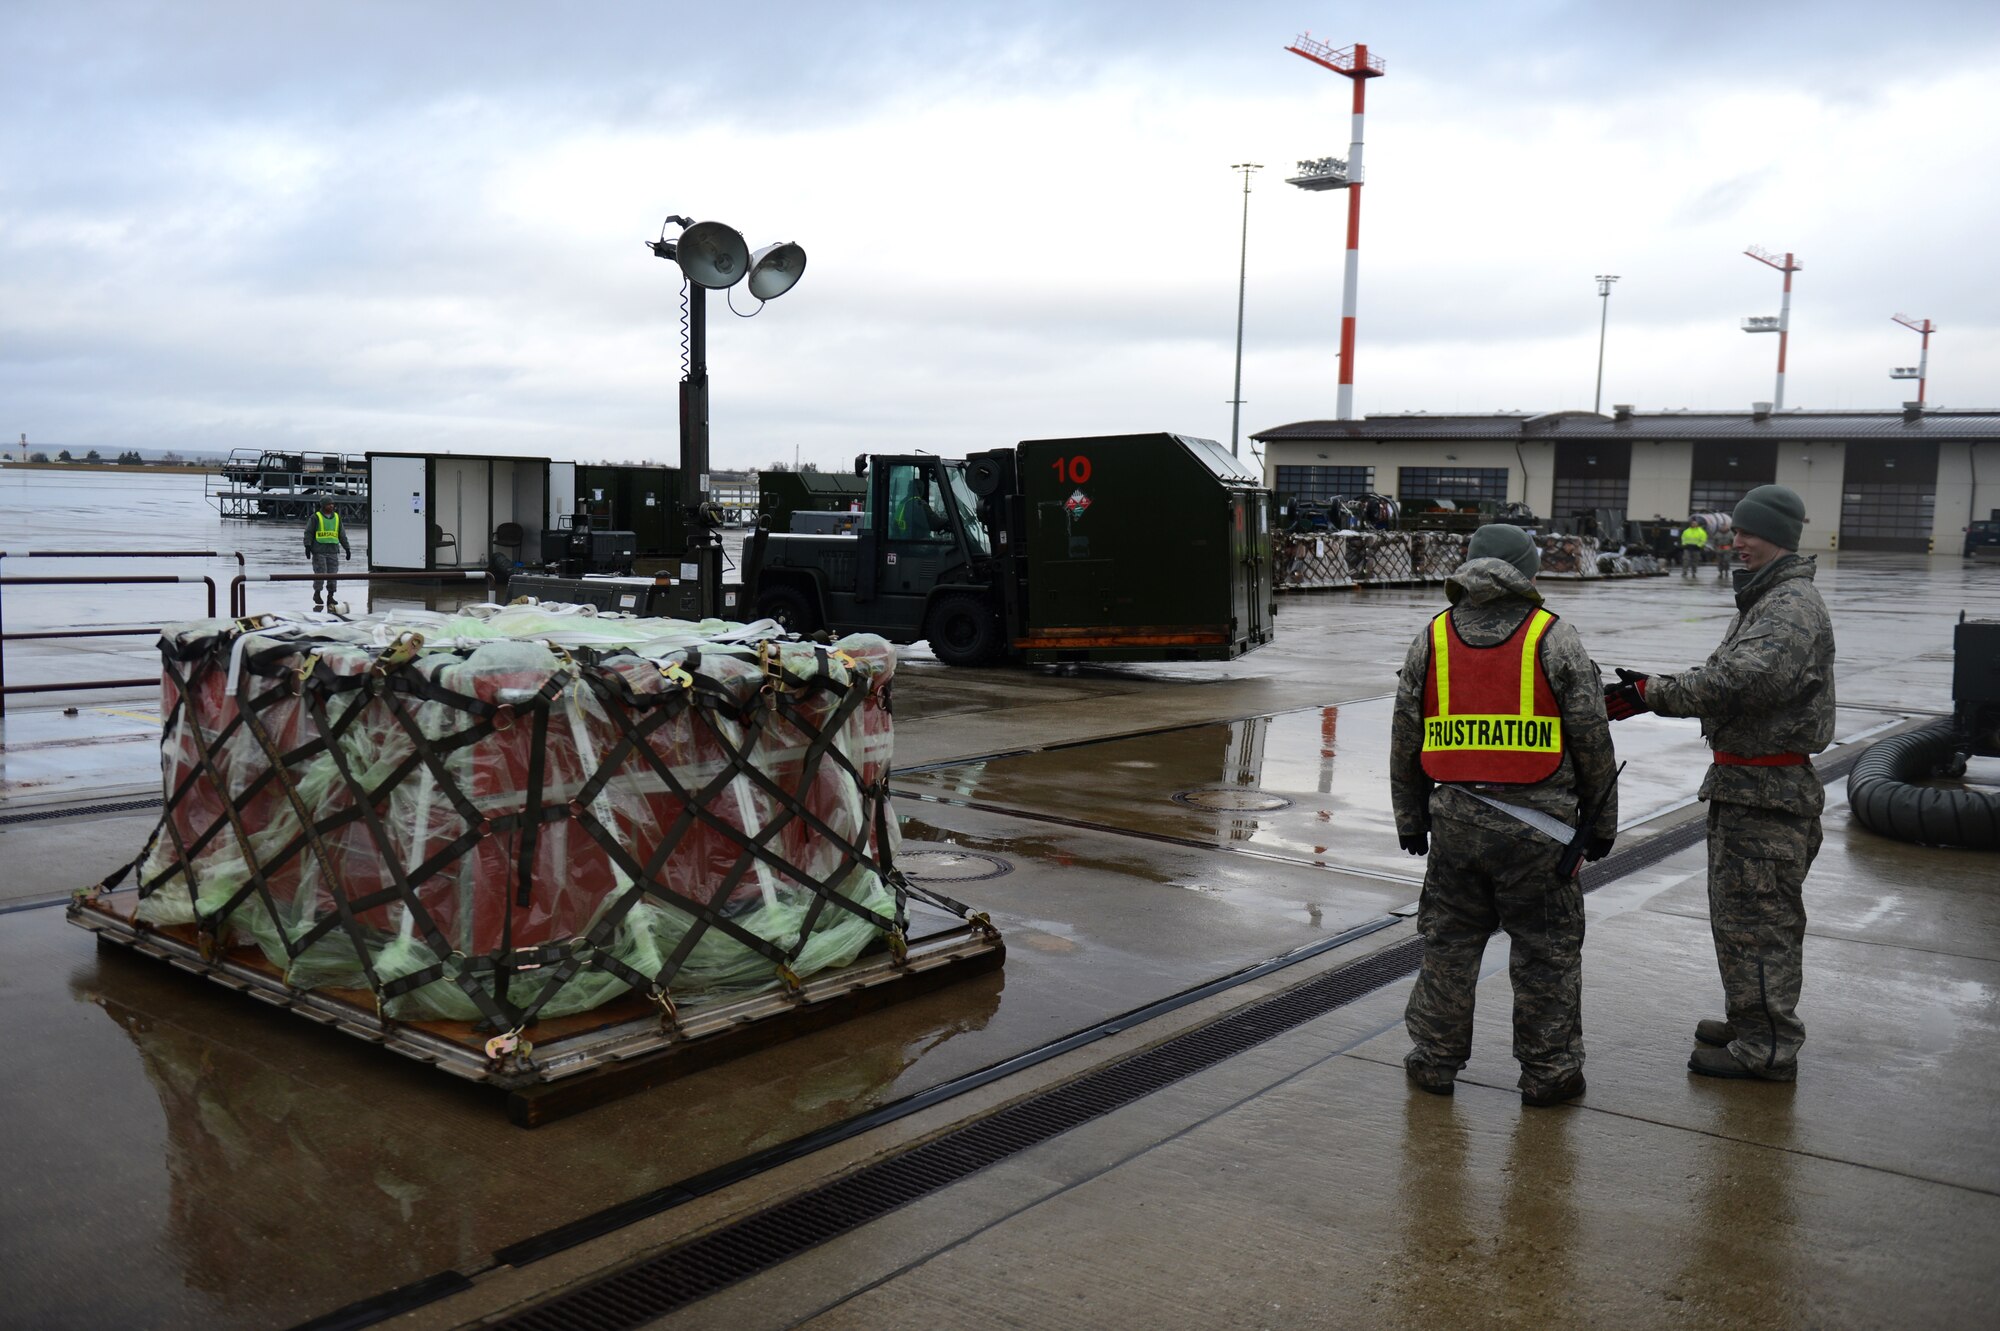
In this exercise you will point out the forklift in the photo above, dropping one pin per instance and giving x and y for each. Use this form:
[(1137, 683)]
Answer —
[(1146, 547)]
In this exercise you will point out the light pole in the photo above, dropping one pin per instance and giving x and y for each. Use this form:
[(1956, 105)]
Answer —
[(1354, 63), (1242, 272), (1604, 281), (712, 257), (1782, 325), (1919, 372)]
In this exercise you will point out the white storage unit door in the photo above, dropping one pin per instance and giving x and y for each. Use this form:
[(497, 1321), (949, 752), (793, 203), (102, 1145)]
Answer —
[(398, 513)]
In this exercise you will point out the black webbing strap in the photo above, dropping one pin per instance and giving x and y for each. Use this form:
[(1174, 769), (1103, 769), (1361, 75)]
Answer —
[(531, 815)]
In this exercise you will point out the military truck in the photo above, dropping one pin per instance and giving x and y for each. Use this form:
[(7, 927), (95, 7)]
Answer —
[(1141, 547)]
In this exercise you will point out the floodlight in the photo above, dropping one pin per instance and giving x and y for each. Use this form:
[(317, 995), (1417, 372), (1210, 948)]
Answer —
[(776, 269), (713, 255)]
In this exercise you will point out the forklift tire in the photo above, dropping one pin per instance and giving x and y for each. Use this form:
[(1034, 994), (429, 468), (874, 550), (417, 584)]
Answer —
[(790, 607), (964, 631)]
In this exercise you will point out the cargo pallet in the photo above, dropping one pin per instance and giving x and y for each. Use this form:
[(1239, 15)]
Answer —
[(576, 1062)]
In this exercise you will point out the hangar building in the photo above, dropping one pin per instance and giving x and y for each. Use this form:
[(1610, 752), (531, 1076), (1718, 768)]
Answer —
[(1872, 480)]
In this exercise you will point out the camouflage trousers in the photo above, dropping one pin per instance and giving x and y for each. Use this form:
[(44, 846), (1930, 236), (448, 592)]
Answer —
[(1757, 863), (1479, 880), (326, 569)]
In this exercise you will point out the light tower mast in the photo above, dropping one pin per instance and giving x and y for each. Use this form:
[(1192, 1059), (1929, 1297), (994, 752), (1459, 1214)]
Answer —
[(1604, 281), (1242, 276), (1782, 325), (1922, 369), (1352, 62)]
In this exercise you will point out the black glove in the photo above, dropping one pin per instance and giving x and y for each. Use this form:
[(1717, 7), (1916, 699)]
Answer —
[(1419, 844), (1598, 847), (1626, 698)]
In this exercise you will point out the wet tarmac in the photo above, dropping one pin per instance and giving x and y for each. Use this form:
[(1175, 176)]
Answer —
[(241, 1169)]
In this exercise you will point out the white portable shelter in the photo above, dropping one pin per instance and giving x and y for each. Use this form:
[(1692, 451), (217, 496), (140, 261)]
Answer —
[(448, 511)]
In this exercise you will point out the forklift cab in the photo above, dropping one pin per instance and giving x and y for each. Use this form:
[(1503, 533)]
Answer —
[(921, 530)]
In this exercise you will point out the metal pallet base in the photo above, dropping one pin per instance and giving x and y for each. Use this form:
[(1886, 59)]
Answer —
[(580, 1061)]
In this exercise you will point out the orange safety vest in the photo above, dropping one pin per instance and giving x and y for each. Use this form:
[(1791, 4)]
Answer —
[(1489, 712)]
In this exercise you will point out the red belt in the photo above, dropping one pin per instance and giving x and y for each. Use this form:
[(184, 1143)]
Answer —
[(1761, 760)]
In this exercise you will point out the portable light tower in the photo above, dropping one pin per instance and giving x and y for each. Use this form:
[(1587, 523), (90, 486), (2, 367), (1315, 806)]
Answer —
[(1922, 369), (1782, 325), (1354, 63), (712, 257)]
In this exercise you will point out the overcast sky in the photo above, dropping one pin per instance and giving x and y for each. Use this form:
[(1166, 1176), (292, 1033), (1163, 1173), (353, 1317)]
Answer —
[(418, 225)]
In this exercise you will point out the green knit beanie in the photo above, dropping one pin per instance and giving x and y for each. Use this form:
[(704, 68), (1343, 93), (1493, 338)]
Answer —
[(1501, 540), (1773, 512)]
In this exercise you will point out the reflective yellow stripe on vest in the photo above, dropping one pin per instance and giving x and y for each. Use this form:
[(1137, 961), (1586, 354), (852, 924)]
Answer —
[(327, 528), (1523, 731)]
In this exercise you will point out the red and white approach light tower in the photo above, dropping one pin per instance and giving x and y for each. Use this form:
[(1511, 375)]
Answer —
[(1921, 371), (1782, 325), (1352, 62)]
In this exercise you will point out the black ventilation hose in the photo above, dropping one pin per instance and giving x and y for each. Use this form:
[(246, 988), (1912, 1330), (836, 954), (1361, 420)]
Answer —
[(1884, 799)]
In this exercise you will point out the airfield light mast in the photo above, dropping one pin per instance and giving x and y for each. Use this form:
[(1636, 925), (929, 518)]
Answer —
[(1782, 325), (1350, 62), (1922, 369), (1604, 281), (1242, 276)]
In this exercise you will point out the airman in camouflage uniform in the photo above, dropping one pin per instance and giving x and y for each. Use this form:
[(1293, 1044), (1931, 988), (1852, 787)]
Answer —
[(1765, 699), (1489, 870)]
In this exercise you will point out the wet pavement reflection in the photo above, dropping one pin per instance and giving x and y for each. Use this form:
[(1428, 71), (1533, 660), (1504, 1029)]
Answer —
[(1459, 1246), (243, 1168), (1310, 785)]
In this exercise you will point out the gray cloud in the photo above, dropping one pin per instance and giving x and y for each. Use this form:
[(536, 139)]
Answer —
[(396, 225)]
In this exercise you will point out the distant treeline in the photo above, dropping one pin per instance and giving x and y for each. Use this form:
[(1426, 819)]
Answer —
[(93, 458)]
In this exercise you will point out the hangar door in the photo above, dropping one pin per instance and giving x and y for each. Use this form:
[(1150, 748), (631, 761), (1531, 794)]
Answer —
[(1591, 477), (1725, 472), (1888, 499)]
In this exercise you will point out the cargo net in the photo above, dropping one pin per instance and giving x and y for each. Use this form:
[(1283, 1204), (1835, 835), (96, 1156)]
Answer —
[(512, 813), (1368, 558)]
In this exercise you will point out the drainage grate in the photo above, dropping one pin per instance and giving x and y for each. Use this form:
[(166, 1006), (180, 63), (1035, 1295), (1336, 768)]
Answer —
[(1227, 799), (736, 1252), (79, 811)]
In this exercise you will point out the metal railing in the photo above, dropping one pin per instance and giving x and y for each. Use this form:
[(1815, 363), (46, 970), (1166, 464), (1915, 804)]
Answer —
[(238, 601), (239, 586), (237, 555), (92, 580)]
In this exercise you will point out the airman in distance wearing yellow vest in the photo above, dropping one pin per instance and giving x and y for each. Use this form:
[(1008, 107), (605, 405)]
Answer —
[(1694, 541), (326, 542)]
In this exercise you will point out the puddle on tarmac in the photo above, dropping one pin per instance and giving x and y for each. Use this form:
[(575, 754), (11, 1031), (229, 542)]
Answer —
[(1328, 765)]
